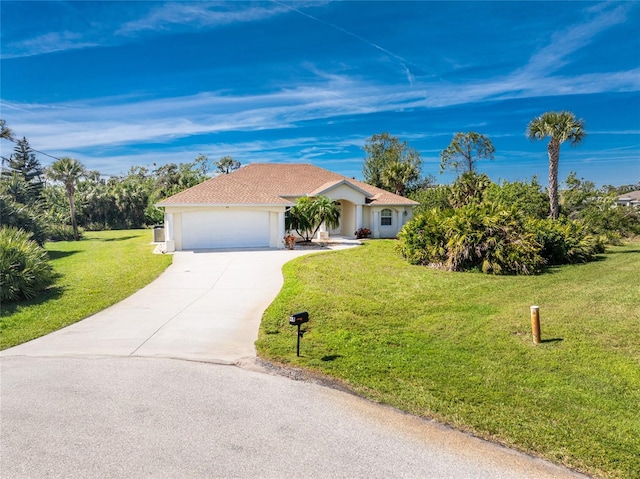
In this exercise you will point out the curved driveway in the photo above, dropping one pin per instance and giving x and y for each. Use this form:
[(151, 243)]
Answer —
[(105, 397), (206, 306)]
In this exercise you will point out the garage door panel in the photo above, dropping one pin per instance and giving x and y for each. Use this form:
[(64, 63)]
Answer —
[(225, 229)]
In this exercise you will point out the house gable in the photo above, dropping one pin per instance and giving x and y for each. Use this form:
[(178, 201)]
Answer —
[(342, 190)]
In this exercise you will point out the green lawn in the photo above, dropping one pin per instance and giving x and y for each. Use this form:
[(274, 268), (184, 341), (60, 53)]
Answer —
[(94, 273), (457, 347)]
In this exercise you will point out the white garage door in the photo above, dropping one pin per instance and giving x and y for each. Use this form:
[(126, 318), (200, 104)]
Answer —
[(225, 229)]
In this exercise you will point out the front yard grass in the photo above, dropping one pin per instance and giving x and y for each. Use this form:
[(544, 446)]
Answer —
[(457, 347), (94, 273)]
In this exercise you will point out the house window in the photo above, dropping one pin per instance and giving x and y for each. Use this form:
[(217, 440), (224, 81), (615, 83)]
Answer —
[(385, 217)]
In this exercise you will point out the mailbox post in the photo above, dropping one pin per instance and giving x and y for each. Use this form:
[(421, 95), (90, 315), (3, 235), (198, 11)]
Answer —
[(298, 319)]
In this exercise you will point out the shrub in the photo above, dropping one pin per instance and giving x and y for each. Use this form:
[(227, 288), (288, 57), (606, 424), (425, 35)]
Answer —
[(484, 236), (527, 198), (61, 232), (362, 233), (22, 217), (429, 198), (469, 188), (423, 239), (614, 222), (491, 238), (24, 265), (564, 241)]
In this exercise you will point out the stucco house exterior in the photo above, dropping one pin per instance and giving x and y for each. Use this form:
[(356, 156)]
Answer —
[(246, 208)]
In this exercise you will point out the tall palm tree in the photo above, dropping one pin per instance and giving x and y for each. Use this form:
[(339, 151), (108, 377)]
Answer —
[(68, 171), (559, 127)]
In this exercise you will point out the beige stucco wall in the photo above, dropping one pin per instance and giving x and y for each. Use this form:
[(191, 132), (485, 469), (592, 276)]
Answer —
[(344, 192), (400, 216)]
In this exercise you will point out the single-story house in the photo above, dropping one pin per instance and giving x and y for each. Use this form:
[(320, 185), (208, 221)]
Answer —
[(246, 208), (629, 199)]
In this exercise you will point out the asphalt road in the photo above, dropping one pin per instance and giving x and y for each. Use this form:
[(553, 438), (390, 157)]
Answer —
[(150, 388), (134, 417)]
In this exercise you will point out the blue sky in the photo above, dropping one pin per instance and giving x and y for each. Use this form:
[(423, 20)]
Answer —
[(117, 84)]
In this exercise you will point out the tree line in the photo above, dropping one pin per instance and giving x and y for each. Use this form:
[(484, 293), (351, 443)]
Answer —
[(59, 201), (513, 227)]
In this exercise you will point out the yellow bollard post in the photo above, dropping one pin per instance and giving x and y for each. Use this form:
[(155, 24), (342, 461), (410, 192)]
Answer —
[(535, 324)]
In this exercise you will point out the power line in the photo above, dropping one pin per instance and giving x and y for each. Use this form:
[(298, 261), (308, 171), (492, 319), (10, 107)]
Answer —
[(13, 140)]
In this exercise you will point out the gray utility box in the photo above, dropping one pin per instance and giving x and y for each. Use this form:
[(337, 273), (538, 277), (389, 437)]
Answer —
[(158, 234)]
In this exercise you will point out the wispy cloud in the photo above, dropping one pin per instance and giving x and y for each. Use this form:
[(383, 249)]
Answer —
[(564, 43), (124, 120), (200, 14), (404, 63), (47, 43), (161, 18)]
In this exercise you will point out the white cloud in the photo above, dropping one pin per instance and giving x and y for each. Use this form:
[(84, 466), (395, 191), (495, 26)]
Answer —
[(198, 15), (564, 43), (46, 43), (162, 17), (120, 121)]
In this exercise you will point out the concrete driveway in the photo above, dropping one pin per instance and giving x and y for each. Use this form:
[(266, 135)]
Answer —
[(106, 397), (206, 306)]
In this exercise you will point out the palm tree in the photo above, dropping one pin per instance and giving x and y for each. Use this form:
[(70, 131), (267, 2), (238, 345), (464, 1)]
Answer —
[(68, 171), (308, 214), (397, 175), (325, 210), (559, 127)]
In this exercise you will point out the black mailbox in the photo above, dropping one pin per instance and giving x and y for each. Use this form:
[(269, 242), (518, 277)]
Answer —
[(296, 320), (299, 318)]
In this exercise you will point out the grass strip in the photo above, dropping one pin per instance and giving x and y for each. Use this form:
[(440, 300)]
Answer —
[(457, 347)]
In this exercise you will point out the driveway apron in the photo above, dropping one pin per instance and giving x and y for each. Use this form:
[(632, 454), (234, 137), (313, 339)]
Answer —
[(206, 306)]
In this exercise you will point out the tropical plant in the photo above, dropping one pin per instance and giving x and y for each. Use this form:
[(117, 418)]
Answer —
[(390, 164), (22, 217), (429, 198), (15, 186), (558, 127), (96, 204), (495, 238), (485, 237), (226, 165), (398, 174), (564, 241), (24, 265), (464, 151), (131, 195), (527, 198), (308, 214), (423, 239), (492, 238), (68, 171), (469, 187)]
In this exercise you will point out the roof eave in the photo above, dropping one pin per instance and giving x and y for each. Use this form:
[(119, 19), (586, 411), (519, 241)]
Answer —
[(340, 183), (165, 205)]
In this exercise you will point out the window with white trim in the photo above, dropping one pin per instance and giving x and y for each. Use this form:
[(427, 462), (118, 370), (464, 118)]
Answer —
[(386, 217)]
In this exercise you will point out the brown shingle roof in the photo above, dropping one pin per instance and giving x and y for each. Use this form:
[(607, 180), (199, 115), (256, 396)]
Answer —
[(268, 183)]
